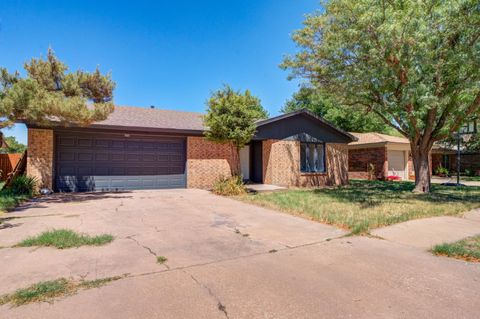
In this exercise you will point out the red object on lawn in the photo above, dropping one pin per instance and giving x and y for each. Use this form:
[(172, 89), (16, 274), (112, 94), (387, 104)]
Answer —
[(393, 178)]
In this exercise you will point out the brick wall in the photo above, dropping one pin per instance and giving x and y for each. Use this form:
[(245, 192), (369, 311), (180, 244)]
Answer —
[(359, 161), (337, 164), (207, 162), (281, 165), (470, 161), (281, 162), (40, 156), (437, 161)]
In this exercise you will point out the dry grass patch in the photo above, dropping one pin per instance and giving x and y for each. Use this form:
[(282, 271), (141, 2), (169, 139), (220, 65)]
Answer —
[(49, 290), (364, 205)]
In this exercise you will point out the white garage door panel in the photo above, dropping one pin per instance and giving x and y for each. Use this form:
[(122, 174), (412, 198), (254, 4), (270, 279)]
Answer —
[(396, 163)]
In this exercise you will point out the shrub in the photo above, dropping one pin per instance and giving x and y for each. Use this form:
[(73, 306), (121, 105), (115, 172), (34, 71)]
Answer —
[(441, 171), (230, 186), (23, 185), (469, 172)]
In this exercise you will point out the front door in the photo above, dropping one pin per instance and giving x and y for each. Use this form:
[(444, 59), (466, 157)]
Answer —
[(245, 162), (256, 168)]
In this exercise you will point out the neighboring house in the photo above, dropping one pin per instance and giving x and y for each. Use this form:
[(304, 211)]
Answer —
[(378, 156), (138, 148), (447, 158)]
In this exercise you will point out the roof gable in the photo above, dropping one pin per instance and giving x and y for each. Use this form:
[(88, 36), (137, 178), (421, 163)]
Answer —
[(301, 123)]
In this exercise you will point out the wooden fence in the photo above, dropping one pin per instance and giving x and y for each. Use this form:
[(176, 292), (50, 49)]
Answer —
[(8, 163)]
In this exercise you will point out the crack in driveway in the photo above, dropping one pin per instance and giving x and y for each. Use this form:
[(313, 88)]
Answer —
[(221, 307), (151, 252)]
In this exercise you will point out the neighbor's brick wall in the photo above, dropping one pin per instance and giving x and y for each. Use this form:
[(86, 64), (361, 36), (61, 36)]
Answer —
[(470, 161), (207, 162), (281, 165), (437, 161), (40, 156), (360, 159)]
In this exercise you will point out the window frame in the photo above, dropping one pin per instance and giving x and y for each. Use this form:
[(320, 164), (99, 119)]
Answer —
[(316, 144)]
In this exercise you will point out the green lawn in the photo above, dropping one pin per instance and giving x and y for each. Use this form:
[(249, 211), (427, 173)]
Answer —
[(364, 205), (470, 178), (466, 249), (9, 200)]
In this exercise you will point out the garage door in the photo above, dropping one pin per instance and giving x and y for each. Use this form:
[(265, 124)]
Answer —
[(113, 162), (396, 163)]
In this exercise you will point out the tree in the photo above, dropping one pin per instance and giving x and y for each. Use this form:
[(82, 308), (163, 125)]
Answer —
[(348, 119), (49, 95), (13, 145), (412, 63), (231, 117)]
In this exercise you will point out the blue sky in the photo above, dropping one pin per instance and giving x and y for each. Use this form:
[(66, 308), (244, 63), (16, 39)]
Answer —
[(170, 54)]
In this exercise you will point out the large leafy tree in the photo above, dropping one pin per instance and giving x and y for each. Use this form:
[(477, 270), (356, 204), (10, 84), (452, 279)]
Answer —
[(231, 117), (49, 95), (415, 64), (346, 118), (14, 146)]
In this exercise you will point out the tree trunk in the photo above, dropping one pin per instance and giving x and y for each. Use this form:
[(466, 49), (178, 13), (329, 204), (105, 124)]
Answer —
[(235, 166), (421, 164)]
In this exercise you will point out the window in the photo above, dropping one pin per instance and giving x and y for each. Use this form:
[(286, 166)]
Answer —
[(446, 161), (312, 157)]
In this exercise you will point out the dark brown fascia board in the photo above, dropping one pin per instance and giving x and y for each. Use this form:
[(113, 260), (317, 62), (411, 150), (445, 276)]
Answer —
[(308, 113), (201, 132), (124, 128)]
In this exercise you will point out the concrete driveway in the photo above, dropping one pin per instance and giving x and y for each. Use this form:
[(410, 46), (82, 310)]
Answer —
[(226, 259)]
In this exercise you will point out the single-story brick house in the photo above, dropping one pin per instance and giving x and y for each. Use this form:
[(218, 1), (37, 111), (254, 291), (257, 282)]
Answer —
[(447, 158), (380, 155), (138, 148)]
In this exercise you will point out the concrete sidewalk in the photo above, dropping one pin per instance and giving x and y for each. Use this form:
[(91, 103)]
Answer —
[(428, 232)]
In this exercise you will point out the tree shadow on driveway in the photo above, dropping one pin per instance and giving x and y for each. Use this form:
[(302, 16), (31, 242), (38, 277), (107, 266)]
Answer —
[(42, 202)]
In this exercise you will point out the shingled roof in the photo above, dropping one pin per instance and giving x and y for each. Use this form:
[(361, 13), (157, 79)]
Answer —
[(377, 138), (138, 117)]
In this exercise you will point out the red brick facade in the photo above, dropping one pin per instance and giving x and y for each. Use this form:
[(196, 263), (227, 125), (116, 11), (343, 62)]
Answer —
[(360, 160), (468, 161), (40, 156), (281, 165), (207, 162)]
